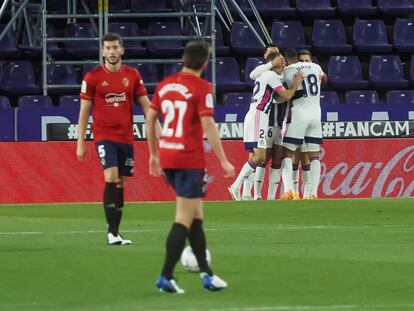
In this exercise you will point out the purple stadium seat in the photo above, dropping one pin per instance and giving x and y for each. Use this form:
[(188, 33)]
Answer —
[(8, 44), (400, 97), (141, 6), (237, 99), (412, 70), (362, 97), (88, 67), (251, 64), (4, 103), (18, 78), (243, 4), (404, 35), (289, 34), (315, 8), (356, 7), (396, 7), (35, 101), (370, 36), (149, 73), (275, 8), (81, 48), (227, 75), (133, 48), (53, 47), (329, 98), (165, 47), (386, 72), (221, 48), (172, 68), (242, 39), (61, 74), (69, 101), (345, 72), (329, 36)]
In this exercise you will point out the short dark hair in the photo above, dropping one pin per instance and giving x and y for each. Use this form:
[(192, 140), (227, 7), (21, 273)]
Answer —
[(270, 45), (291, 53), (271, 56), (304, 52), (196, 53), (110, 36)]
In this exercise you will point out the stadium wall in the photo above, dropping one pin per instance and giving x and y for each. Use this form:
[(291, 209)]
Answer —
[(38, 172)]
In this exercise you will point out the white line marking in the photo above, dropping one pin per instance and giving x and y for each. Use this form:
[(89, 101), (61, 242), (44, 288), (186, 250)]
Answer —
[(270, 228)]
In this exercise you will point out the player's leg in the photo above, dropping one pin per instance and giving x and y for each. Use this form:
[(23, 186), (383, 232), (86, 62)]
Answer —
[(255, 136), (313, 141), (305, 164), (291, 142), (125, 168), (108, 156), (248, 185), (198, 244), (275, 172), (295, 174)]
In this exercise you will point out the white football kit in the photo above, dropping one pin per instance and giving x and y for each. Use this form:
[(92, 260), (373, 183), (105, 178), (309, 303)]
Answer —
[(256, 121), (305, 125)]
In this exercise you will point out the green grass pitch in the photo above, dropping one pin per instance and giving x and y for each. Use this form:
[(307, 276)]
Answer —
[(298, 255)]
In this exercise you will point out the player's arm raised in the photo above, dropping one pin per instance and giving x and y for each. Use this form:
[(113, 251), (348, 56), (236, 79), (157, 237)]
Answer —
[(287, 94), (82, 125), (278, 61), (212, 134)]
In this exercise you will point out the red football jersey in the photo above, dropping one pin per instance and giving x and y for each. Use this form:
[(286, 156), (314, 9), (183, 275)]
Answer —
[(113, 95), (183, 99)]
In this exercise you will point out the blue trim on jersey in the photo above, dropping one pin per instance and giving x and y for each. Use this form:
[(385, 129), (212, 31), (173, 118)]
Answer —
[(249, 146), (313, 140), (291, 140)]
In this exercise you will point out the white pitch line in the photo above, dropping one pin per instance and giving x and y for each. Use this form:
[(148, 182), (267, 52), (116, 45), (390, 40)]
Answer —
[(270, 228)]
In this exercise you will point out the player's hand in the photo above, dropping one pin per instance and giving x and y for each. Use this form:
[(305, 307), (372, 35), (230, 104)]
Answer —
[(279, 62), (81, 151), (155, 168), (229, 169), (298, 78)]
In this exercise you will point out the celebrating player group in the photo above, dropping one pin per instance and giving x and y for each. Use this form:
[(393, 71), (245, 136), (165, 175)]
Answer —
[(283, 125)]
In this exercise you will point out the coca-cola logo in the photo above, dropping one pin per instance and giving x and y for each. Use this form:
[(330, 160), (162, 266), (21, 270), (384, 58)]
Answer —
[(393, 178)]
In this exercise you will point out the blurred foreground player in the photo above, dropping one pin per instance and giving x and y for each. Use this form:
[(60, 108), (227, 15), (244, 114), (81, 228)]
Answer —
[(111, 89), (186, 103)]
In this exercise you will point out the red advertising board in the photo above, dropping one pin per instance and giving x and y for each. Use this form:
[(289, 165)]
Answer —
[(35, 172)]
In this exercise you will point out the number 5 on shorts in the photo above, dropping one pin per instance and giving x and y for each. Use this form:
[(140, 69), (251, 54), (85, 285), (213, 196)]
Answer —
[(101, 151)]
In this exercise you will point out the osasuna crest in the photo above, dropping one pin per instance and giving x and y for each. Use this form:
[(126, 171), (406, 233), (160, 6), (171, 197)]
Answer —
[(125, 82)]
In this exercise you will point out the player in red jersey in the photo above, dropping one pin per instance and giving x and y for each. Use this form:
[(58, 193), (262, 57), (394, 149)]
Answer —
[(186, 104), (112, 89)]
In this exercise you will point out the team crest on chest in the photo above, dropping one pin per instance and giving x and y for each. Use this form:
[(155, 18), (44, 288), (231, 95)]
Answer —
[(125, 82)]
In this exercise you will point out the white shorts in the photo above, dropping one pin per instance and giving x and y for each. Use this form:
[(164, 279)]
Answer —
[(274, 134), (307, 131), (256, 124)]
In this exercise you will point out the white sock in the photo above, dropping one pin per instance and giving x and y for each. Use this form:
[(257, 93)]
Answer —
[(315, 174), (287, 174), (306, 183), (295, 180), (258, 181), (247, 186), (274, 180), (245, 172)]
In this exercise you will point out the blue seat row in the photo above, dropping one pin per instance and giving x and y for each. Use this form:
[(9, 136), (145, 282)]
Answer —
[(344, 72)]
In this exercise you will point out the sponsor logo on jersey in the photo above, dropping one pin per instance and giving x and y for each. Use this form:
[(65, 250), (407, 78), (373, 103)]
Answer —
[(125, 82), (105, 83), (115, 99), (84, 87)]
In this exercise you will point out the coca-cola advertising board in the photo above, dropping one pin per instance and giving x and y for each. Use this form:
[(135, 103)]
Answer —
[(37, 172)]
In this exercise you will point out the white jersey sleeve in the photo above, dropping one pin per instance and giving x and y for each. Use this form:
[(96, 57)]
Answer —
[(259, 70)]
